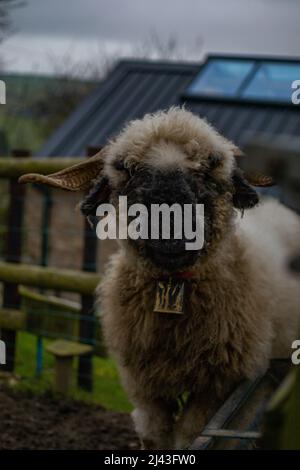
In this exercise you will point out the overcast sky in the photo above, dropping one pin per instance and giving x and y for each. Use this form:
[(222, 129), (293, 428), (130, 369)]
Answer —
[(47, 28)]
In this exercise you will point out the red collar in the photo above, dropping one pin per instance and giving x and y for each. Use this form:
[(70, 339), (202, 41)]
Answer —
[(178, 275)]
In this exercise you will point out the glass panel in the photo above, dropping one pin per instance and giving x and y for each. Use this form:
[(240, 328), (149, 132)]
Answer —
[(273, 81), (220, 77)]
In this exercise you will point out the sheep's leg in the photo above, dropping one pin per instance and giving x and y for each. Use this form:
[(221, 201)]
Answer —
[(154, 424), (197, 411)]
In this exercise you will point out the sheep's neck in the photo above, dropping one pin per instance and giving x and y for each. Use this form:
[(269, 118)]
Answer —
[(229, 252)]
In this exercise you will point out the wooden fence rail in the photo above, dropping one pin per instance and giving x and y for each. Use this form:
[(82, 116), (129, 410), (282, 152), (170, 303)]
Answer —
[(49, 278), (14, 167)]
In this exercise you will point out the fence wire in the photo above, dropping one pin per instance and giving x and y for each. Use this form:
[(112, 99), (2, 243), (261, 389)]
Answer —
[(46, 322)]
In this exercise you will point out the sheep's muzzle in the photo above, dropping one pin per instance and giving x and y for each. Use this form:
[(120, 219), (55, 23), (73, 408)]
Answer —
[(165, 187)]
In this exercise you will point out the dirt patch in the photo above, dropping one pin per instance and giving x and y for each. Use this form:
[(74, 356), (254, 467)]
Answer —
[(48, 422)]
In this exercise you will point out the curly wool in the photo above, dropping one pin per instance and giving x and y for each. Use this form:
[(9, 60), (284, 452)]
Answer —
[(242, 305)]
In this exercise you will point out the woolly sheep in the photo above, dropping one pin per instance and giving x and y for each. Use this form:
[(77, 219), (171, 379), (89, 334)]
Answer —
[(241, 303)]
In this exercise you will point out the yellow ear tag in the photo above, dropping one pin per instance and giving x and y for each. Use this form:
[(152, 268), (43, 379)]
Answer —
[(169, 296)]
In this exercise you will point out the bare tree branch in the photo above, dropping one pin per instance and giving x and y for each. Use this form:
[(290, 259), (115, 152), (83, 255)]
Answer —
[(6, 7)]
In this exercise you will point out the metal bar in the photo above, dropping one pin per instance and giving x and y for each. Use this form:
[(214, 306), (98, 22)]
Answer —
[(39, 356), (239, 418), (86, 327), (231, 433), (13, 251), (229, 408), (46, 217), (233, 403)]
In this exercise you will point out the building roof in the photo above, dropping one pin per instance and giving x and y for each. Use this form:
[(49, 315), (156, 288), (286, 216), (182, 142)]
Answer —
[(131, 90), (137, 87)]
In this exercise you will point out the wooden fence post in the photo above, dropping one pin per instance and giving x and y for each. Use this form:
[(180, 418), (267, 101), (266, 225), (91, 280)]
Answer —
[(13, 252), (87, 326)]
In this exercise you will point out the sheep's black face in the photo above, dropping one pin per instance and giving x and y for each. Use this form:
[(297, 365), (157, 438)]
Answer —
[(181, 175), (156, 187), (152, 186)]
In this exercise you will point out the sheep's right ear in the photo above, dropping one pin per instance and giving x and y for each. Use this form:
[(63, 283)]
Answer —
[(75, 178), (244, 197), (253, 178)]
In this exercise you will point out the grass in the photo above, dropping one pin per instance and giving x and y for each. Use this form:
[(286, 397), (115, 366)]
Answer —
[(107, 390)]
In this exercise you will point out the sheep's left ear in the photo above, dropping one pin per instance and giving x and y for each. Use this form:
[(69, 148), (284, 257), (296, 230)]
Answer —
[(244, 197), (99, 194)]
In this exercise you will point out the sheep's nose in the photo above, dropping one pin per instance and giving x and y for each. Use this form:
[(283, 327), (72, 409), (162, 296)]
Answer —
[(168, 188), (167, 246)]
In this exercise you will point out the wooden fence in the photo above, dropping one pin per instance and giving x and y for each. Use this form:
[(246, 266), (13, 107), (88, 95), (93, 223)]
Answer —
[(14, 274)]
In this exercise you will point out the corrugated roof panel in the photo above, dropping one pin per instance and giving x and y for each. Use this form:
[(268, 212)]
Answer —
[(135, 88), (239, 123), (148, 98), (291, 124), (57, 144), (103, 121), (234, 120)]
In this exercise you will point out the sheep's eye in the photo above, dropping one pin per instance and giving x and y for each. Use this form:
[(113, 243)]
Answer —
[(131, 170), (122, 165), (214, 160), (119, 165)]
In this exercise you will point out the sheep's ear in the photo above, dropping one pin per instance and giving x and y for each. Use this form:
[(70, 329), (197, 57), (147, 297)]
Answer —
[(244, 197), (253, 178), (99, 194), (75, 178)]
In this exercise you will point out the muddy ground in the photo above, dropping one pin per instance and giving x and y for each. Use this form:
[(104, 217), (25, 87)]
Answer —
[(46, 422)]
